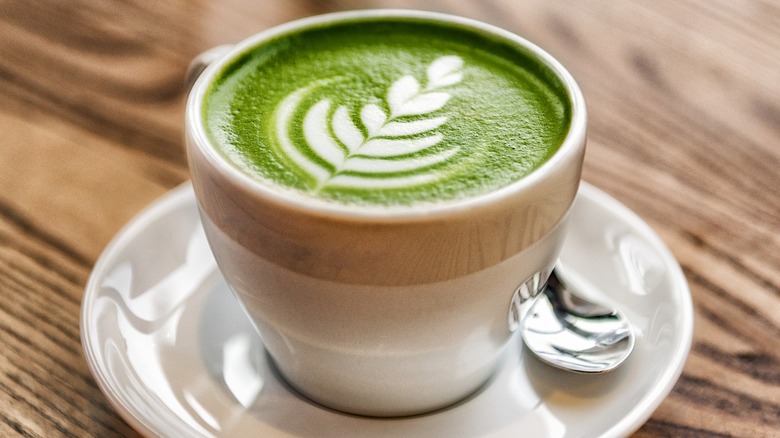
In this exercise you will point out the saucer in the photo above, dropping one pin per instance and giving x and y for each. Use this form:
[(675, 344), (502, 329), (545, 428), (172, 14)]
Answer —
[(175, 355)]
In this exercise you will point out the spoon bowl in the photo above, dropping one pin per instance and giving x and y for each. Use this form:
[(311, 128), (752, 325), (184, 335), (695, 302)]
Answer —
[(568, 332)]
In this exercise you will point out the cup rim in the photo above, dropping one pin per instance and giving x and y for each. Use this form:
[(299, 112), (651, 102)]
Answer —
[(301, 203)]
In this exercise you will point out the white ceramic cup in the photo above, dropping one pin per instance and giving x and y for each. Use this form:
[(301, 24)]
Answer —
[(385, 311)]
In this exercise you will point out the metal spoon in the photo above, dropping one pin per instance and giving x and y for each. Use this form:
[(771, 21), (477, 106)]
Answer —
[(570, 333)]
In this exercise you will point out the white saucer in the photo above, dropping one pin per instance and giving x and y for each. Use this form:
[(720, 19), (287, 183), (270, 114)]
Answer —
[(174, 354)]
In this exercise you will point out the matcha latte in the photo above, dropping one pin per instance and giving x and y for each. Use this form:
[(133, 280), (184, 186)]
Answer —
[(381, 189), (387, 111)]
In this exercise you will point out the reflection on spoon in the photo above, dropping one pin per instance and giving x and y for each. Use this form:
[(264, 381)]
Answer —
[(570, 333)]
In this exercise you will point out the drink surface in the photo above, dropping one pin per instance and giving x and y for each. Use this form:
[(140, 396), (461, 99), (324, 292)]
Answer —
[(387, 111)]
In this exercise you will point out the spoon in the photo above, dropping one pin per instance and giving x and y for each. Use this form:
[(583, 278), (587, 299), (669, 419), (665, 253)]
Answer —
[(570, 333)]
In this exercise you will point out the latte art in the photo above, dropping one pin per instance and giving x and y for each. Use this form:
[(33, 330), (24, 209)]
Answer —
[(385, 112), (389, 146)]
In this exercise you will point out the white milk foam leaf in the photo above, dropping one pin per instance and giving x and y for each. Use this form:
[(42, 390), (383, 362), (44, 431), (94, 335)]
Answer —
[(393, 148)]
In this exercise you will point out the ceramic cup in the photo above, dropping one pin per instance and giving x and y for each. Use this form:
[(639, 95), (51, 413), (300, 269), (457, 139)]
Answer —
[(384, 312)]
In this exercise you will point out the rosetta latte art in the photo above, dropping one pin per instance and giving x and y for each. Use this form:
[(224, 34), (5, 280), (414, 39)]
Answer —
[(390, 150), (385, 113)]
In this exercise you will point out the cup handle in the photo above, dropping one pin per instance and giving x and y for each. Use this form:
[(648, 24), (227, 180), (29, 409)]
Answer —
[(202, 61)]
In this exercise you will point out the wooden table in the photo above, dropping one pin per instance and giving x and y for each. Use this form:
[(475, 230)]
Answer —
[(684, 102)]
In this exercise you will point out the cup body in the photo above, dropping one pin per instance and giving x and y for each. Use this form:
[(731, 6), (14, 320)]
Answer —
[(391, 311)]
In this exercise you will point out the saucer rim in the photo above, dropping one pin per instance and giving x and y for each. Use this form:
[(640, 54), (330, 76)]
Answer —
[(152, 212), (183, 194), (652, 399)]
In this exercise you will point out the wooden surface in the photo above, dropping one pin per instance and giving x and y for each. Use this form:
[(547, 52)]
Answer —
[(684, 102)]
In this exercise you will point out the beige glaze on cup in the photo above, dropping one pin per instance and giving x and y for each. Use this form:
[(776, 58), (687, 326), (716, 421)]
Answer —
[(384, 311)]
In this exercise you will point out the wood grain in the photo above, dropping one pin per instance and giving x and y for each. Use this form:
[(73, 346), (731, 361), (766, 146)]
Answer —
[(684, 108)]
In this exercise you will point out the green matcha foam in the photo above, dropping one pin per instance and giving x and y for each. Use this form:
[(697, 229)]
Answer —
[(387, 111)]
